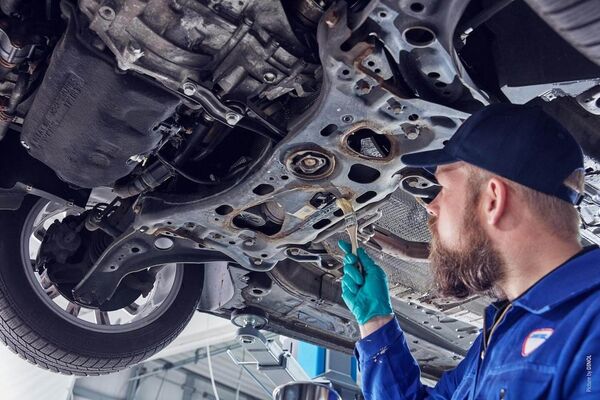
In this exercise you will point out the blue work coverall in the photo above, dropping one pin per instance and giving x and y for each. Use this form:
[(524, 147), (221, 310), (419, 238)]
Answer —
[(546, 345)]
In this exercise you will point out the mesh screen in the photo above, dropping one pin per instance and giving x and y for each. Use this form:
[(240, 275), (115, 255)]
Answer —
[(404, 217)]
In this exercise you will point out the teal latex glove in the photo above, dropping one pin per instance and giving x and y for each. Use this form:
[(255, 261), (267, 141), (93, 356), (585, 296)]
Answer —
[(367, 295)]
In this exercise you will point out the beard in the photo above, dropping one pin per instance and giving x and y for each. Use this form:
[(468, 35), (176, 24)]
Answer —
[(476, 268)]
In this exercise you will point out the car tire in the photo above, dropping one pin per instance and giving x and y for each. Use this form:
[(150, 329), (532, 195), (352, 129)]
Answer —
[(577, 21), (40, 335)]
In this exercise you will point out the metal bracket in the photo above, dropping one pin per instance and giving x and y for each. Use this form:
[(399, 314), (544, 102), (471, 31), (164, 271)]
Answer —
[(134, 251), (421, 184), (273, 363), (305, 254), (590, 100), (211, 104)]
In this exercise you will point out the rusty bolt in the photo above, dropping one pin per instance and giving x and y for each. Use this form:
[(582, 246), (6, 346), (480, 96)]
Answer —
[(398, 109), (362, 87)]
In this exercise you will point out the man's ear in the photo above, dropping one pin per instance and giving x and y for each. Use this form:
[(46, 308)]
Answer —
[(494, 200)]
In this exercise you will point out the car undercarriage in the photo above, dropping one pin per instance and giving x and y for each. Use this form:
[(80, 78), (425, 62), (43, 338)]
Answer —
[(139, 136)]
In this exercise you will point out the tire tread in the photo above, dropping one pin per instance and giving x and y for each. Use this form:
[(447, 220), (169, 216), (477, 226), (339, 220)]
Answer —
[(37, 350), (577, 21)]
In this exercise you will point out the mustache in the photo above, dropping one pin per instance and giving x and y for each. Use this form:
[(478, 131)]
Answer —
[(431, 223)]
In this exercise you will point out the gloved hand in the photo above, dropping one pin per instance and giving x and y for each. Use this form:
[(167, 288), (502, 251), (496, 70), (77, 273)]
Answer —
[(367, 295)]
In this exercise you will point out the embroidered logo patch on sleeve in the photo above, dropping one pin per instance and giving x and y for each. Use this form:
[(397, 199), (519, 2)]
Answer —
[(535, 339)]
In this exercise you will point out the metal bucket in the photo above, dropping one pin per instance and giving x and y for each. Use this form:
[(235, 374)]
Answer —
[(305, 391)]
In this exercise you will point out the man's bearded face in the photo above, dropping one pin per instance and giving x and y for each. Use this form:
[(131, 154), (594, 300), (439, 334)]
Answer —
[(475, 267)]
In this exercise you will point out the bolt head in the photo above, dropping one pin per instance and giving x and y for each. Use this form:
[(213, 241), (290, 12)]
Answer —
[(106, 13), (189, 88), (398, 109), (363, 88), (412, 132), (24, 144), (232, 118), (269, 77), (135, 47), (309, 162), (347, 118), (331, 20)]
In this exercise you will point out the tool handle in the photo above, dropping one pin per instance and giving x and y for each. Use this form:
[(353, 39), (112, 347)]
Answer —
[(353, 233)]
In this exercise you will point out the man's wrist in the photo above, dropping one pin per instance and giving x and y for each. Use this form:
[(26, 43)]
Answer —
[(374, 324)]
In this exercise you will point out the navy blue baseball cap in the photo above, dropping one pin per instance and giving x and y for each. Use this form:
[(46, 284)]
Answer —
[(518, 142)]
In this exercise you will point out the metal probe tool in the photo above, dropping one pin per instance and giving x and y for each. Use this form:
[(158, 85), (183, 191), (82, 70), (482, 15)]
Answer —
[(351, 225)]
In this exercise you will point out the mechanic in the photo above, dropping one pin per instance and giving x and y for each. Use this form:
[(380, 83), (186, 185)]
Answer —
[(504, 225)]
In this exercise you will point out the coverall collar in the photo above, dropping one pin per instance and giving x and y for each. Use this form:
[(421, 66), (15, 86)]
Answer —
[(575, 276)]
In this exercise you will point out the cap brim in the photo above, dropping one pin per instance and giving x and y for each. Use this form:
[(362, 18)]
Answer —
[(428, 159)]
